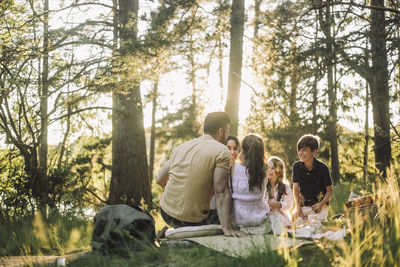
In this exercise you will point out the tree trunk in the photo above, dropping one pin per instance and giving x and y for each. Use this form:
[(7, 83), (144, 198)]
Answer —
[(192, 74), (365, 165), (44, 121), (332, 122), (153, 129), (315, 88), (220, 61), (220, 68), (129, 181), (43, 147), (235, 64), (379, 88)]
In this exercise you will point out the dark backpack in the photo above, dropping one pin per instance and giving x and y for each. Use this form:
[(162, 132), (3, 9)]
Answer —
[(120, 229)]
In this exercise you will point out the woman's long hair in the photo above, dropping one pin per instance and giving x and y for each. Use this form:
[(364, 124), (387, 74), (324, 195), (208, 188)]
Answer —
[(280, 173), (253, 151)]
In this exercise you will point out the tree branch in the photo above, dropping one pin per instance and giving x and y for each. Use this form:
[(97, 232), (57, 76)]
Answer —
[(351, 3), (78, 111)]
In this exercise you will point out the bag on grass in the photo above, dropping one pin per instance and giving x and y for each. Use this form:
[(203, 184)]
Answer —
[(119, 229)]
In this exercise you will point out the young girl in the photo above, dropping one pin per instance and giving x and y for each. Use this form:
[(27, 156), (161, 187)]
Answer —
[(278, 194), (248, 184)]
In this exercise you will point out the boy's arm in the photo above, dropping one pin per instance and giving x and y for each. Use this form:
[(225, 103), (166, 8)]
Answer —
[(329, 192), (296, 196), (163, 176), (223, 200)]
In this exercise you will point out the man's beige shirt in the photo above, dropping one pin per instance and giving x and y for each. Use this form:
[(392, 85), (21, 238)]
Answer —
[(189, 190)]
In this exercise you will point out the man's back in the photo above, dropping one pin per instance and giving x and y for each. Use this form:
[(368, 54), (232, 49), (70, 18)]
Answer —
[(189, 189)]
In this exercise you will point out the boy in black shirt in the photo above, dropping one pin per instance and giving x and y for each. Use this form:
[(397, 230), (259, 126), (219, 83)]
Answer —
[(312, 183)]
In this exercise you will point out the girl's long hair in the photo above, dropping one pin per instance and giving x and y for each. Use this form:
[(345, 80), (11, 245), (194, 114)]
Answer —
[(253, 151), (280, 172)]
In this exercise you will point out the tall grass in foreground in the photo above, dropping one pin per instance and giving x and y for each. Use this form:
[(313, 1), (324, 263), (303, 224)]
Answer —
[(374, 241), (31, 235)]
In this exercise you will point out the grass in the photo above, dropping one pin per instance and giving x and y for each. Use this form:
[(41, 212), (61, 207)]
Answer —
[(373, 240), (197, 256), (32, 235)]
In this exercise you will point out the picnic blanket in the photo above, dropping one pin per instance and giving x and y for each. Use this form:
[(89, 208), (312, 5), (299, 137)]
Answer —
[(242, 247), (211, 236), (259, 238)]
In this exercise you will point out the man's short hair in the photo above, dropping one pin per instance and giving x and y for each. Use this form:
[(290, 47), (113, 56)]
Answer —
[(214, 121), (308, 140)]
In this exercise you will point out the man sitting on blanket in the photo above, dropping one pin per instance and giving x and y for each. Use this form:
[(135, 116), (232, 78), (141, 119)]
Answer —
[(312, 183), (195, 170)]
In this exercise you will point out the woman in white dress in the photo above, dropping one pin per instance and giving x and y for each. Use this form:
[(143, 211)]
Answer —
[(248, 184), (278, 194)]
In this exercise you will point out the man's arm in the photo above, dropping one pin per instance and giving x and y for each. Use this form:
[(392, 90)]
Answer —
[(329, 192), (163, 176), (296, 196), (223, 200)]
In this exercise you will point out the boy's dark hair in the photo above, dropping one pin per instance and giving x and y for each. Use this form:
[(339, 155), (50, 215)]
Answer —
[(214, 121), (308, 140)]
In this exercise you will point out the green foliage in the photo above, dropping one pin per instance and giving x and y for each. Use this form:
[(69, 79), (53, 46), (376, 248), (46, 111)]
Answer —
[(72, 187), (14, 189), (31, 235), (91, 167), (180, 126)]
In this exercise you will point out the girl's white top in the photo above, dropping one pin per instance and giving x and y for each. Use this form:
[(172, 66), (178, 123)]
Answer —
[(286, 200), (249, 208)]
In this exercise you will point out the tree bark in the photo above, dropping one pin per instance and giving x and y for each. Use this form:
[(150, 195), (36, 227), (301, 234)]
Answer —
[(365, 165), (43, 147), (315, 88), (332, 122), (153, 130), (192, 73), (235, 64), (44, 121), (379, 88), (220, 60), (129, 181)]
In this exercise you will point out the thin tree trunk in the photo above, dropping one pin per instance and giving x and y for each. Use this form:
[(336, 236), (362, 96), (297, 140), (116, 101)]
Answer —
[(365, 165), (220, 61), (192, 73), (235, 64), (315, 88), (379, 88), (220, 68), (153, 129), (332, 122), (43, 145)]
